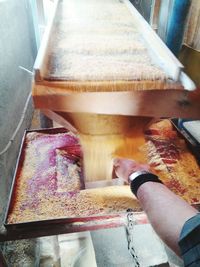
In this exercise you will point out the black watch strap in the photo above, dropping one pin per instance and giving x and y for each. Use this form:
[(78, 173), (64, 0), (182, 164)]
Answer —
[(141, 179)]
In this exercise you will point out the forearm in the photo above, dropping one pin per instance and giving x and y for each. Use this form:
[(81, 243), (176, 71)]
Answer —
[(166, 212)]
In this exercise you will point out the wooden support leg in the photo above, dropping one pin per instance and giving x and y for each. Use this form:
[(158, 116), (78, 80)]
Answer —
[(2, 260), (45, 122)]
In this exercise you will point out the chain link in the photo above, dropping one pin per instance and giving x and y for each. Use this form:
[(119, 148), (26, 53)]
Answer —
[(130, 227)]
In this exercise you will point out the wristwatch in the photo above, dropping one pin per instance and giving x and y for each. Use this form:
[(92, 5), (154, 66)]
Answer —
[(138, 178)]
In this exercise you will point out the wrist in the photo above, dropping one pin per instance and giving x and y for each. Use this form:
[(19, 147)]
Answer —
[(138, 178)]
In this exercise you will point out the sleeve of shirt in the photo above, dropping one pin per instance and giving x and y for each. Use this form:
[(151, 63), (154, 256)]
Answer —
[(189, 242)]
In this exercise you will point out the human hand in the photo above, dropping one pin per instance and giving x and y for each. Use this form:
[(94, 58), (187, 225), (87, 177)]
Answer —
[(125, 167)]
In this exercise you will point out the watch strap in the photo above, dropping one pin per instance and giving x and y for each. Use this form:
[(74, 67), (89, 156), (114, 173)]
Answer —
[(141, 179)]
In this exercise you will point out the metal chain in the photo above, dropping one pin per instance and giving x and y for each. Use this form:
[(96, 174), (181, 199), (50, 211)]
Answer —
[(130, 226)]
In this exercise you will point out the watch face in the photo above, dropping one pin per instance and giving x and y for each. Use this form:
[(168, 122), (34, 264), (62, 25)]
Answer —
[(136, 174)]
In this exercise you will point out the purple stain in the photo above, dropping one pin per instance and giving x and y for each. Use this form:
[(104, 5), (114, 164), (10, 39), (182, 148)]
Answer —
[(69, 194), (48, 149), (30, 204)]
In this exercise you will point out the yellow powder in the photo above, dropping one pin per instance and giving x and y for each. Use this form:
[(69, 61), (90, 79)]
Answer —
[(98, 41), (99, 150)]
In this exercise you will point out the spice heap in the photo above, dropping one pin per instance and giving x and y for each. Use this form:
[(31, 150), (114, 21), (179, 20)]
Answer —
[(171, 159)]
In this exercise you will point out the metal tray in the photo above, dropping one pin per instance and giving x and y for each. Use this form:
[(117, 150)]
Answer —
[(101, 220), (91, 222)]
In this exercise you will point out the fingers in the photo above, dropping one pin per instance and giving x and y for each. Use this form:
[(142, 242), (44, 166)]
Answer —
[(119, 162), (123, 162), (124, 167)]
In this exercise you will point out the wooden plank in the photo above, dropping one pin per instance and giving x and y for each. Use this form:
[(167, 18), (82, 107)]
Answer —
[(64, 227), (169, 103), (110, 86)]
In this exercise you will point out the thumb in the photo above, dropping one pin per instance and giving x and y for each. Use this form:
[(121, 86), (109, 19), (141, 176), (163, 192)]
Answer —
[(116, 162)]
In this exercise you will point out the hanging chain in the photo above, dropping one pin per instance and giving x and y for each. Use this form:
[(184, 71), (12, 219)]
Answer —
[(130, 227)]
